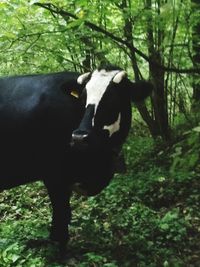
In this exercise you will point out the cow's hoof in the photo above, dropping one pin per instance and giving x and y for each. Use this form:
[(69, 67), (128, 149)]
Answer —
[(63, 250), (62, 246)]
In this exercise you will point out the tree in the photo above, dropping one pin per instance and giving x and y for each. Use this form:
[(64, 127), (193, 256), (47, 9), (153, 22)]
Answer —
[(196, 49), (155, 40)]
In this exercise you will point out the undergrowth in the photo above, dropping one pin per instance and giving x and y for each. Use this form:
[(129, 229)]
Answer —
[(148, 217)]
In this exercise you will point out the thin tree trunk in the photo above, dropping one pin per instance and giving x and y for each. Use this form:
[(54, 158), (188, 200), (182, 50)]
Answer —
[(157, 74), (128, 33), (196, 53)]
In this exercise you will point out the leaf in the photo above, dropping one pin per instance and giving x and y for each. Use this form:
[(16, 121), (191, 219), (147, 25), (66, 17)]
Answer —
[(32, 2), (10, 35), (15, 258), (75, 23), (3, 4), (196, 129), (193, 159), (164, 226)]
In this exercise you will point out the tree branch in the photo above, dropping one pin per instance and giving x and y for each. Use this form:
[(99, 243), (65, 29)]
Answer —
[(65, 14)]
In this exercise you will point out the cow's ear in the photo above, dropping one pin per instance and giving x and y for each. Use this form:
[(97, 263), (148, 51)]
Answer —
[(75, 92), (72, 87), (140, 90), (83, 78), (78, 85)]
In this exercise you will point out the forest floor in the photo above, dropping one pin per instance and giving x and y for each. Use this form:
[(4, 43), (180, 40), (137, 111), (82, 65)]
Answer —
[(148, 217)]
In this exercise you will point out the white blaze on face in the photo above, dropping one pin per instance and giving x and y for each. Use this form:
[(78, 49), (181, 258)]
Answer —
[(97, 86)]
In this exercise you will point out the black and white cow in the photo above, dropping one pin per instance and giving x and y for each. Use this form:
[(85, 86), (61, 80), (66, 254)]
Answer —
[(48, 134)]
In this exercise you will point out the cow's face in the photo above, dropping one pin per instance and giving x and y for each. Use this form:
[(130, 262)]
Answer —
[(107, 96), (107, 99), (103, 102)]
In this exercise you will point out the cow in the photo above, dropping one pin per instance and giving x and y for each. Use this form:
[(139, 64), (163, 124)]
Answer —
[(66, 129)]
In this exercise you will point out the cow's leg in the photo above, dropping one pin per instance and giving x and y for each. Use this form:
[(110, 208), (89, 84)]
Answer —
[(61, 217)]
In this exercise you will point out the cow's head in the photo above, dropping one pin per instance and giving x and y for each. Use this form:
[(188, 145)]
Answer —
[(107, 96)]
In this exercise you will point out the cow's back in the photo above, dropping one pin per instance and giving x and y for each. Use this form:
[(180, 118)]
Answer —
[(37, 116), (24, 97)]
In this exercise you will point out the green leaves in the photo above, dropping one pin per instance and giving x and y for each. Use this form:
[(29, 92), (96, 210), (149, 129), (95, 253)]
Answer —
[(186, 153), (150, 217), (174, 225), (10, 255)]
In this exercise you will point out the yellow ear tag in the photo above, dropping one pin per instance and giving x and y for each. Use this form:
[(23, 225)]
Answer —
[(74, 93)]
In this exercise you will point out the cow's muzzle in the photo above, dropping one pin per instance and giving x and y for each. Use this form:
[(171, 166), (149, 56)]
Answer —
[(79, 137)]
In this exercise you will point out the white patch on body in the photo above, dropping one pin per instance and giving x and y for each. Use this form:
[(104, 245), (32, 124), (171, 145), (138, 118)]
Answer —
[(114, 127), (97, 86)]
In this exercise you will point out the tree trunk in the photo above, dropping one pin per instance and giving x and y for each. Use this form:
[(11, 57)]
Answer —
[(196, 53), (128, 33), (157, 74)]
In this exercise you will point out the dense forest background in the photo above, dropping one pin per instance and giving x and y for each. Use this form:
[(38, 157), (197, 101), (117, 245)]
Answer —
[(149, 216)]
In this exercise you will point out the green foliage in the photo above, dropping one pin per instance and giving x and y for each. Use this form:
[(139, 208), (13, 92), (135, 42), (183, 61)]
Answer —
[(148, 217), (186, 153)]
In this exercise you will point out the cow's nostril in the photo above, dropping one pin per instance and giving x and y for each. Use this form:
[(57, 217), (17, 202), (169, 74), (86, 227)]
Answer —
[(79, 136)]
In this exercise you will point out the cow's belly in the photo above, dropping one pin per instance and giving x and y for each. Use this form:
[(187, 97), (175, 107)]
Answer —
[(26, 163), (17, 169), (9, 181)]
